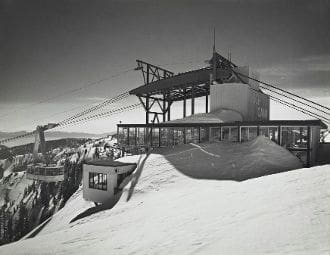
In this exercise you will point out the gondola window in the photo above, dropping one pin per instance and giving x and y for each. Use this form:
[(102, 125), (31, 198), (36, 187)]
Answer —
[(97, 181)]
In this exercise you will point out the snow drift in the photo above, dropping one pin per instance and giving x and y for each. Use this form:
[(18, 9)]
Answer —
[(162, 211), (231, 161)]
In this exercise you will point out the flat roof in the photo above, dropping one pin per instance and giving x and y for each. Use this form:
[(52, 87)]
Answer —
[(240, 123), (102, 162)]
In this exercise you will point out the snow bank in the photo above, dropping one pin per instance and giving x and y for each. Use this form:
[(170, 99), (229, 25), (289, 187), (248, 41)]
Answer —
[(170, 213), (231, 161)]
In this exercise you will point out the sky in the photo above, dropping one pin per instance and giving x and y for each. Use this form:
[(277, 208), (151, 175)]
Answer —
[(50, 49)]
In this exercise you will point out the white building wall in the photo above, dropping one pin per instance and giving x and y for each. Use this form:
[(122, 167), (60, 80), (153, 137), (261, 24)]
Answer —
[(233, 96), (243, 98), (102, 196), (96, 195)]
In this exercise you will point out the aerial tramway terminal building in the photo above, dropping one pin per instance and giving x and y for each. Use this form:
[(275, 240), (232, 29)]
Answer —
[(238, 111)]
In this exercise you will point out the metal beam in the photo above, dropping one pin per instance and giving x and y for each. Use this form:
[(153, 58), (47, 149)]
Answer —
[(147, 109), (184, 104), (192, 101), (164, 108), (152, 73), (206, 103), (169, 110)]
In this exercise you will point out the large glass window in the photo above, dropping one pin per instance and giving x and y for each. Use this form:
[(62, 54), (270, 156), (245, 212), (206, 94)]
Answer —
[(131, 138), (225, 133), (253, 132), (189, 138), (248, 133), (214, 134), (123, 136), (294, 137), (97, 181), (204, 134), (166, 136), (195, 135), (178, 136), (233, 137), (140, 136), (244, 134), (155, 137), (229, 134), (271, 132), (264, 131)]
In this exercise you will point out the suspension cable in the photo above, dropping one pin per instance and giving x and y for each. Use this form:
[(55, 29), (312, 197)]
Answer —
[(298, 108), (89, 84), (100, 115), (274, 87), (96, 107)]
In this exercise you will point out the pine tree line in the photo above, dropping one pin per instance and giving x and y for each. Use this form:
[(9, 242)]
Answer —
[(17, 221)]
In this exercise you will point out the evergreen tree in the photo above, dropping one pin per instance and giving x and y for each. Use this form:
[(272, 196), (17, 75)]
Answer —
[(7, 199), (44, 194), (9, 227), (22, 226), (2, 224)]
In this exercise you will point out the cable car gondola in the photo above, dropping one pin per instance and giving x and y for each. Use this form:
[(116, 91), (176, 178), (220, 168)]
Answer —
[(43, 171)]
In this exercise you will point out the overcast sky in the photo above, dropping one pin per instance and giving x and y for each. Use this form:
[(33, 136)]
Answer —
[(49, 48)]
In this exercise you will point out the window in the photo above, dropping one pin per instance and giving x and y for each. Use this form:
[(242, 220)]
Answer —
[(215, 134), (229, 134), (294, 137), (248, 133), (204, 134), (166, 136), (155, 137), (189, 135), (97, 181), (178, 136), (233, 137), (195, 135), (225, 133), (140, 139), (123, 136), (131, 136)]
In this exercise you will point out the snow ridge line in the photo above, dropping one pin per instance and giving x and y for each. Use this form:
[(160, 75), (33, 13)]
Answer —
[(206, 152)]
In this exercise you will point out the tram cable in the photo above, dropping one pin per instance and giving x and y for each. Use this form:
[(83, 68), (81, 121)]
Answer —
[(88, 85), (100, 115), (295, 107), (96, 107), (274, 87)]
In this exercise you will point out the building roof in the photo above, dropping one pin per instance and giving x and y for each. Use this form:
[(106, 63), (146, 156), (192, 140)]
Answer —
[(240, 123), (181, 80), (103, 162)]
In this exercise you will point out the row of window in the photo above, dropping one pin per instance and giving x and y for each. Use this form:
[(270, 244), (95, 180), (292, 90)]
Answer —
[(46, 171), (290, 136), (162, 136), (295, 138), (97, 181)]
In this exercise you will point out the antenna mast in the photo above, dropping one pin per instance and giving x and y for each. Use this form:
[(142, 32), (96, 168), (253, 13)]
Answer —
[(214, 60)]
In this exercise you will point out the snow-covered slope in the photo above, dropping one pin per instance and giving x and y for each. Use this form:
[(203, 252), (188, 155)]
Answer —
[(170, 213)]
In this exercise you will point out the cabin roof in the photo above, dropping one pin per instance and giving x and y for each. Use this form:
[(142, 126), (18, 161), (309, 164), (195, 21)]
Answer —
[(103, 162)]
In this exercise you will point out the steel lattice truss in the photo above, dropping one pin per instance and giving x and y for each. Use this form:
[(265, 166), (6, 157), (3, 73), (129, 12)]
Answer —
[(161, 87)]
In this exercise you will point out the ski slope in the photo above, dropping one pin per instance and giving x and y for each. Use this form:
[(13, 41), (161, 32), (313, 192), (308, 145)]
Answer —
[(163, 211)]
